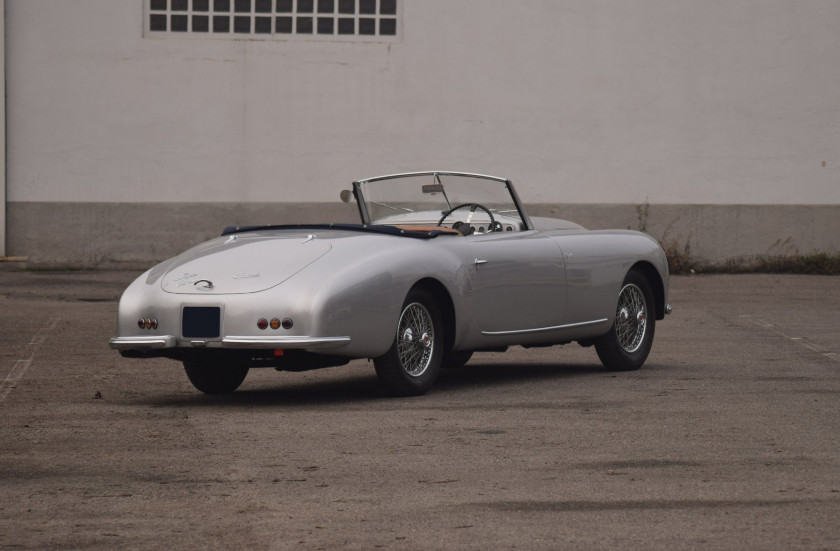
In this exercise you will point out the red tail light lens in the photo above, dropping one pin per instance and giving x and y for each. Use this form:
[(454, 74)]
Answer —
[(262, 323), (146, 323)]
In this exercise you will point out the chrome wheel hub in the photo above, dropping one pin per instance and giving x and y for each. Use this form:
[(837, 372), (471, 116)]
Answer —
[(631, 318), (623, 315), (416, 339)]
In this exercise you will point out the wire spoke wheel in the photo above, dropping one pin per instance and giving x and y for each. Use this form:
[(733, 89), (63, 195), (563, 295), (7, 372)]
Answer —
[(413, 361), (627, 345), (631, 318), (416, 339)]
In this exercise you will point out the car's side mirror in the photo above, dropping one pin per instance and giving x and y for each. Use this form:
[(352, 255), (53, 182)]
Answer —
[(346, 195)]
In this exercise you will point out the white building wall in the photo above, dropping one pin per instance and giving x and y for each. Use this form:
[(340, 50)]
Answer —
[(713, 104), (596, 101)]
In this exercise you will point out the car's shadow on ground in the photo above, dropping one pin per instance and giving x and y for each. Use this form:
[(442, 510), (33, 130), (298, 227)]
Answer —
[(362, 387), (486, 375)]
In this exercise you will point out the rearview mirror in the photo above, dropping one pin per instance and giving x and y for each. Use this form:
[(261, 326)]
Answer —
[(433, 188)]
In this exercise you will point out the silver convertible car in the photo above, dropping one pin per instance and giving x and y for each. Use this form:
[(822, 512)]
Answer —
[(443, 264)]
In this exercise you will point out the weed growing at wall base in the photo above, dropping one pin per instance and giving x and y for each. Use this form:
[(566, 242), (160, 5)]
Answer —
[(817, 263), (814, 263), (679, 258)]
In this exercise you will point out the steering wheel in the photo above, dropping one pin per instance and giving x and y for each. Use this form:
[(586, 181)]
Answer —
[(465, 228)]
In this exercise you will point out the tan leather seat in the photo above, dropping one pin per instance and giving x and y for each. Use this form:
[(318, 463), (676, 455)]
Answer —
[(408, 227)]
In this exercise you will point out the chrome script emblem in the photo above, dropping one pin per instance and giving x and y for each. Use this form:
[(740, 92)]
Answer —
[(245, 275), (185, 279)]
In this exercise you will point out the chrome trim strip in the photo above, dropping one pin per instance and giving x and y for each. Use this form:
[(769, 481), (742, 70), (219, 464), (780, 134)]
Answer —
[(541, 329), (284, 342), (135, 343)]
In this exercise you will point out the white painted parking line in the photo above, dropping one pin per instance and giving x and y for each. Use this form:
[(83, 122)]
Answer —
[(798, 340), (21, 365)]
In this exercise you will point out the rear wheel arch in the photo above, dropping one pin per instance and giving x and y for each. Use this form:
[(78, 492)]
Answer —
[(445, 304), (656, 286)]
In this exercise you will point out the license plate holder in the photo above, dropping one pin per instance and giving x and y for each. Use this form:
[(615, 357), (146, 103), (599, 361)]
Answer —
[(201, 322)]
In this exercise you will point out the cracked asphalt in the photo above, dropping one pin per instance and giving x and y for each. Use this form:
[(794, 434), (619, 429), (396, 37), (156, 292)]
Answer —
[(726, 439)]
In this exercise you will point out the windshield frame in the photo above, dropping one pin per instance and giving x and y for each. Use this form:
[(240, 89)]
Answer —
[(361, 201)]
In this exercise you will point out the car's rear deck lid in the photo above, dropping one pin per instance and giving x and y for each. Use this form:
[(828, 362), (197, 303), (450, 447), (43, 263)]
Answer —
[(242, 263)]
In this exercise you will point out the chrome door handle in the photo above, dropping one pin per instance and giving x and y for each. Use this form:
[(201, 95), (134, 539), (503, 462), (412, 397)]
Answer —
[(480, 261)]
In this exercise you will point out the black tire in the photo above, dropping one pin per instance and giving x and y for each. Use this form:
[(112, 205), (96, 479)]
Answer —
[(627, 345), (414, 360), (215, 379), (454, 360)]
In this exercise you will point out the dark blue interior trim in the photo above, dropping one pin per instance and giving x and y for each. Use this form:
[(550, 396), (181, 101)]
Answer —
[(363, 228)]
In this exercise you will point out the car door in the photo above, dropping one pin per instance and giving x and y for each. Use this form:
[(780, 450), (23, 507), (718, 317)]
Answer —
[(519, 282)]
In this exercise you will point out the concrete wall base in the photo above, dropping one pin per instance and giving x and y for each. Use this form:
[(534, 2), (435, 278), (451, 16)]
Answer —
[(139, 234), (717, 234)]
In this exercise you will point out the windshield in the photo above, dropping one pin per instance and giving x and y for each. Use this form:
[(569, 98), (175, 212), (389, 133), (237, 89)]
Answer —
[(424, 198)]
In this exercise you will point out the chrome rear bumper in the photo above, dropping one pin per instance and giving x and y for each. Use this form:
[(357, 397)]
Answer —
[(284, 342), (169, 341), (142, 343)]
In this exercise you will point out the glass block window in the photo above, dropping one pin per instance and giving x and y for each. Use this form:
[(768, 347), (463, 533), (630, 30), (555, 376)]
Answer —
[(360, 20)]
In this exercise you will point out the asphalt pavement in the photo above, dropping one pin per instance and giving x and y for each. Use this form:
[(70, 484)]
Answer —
[(726, 439)]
